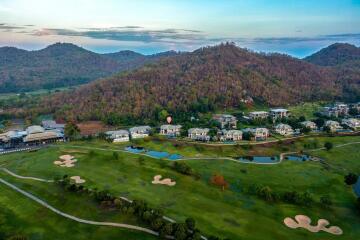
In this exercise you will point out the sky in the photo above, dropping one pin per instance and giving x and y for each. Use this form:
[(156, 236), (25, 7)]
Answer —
[(297, 28)]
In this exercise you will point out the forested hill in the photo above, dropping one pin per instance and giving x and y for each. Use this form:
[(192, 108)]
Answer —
[(61, 64), (344, 59), (335, 54), (219, 77)]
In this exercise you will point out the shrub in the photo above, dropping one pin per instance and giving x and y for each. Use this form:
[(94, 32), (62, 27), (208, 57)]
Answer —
[(328, 146), (219, 180), (351, 179)]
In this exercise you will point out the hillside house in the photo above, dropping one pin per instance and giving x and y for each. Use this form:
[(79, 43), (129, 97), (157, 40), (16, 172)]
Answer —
[(336, 110), (230, 135), (259, 134), (170, 130), (333, 125), (258, 115), (51, 125), (284, 129), (352, 123), (139, 132), (226, 121), (199, 134), (118, 135), (309, 124), (277, 113)]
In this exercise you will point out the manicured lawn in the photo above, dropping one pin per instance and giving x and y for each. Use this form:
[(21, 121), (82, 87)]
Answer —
[(232, 213)]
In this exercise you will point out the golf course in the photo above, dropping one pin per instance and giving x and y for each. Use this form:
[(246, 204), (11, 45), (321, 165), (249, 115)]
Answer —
[(252, 202)]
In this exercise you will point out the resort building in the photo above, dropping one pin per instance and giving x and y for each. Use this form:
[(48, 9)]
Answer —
[(11, 138), (279, 113), (333, 125), (284, 129), (199, 134), (259, 134), (140, 131), (37, 135), (226, 120), (170, 130), (352, 123), (118, 135), (309, 124), (258, 115), (230, 135)]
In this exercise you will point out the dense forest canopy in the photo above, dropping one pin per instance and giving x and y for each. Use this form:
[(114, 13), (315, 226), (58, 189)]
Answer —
[(222, 76)]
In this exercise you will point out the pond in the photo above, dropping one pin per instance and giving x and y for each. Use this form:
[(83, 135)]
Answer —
[(157, 154), (357, 188), (259, 159), (299, 158), (151, 153), (135, 149)]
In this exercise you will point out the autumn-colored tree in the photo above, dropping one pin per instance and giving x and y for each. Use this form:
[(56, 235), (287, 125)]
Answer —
[(219, 180)]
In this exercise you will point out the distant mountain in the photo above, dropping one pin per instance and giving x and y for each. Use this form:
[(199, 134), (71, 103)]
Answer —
[(208, 78), (335, 54), (130, 60), (59, 65), (344, 60)]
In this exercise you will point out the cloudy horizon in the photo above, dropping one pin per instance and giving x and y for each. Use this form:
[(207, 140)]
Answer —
[(295, 28)]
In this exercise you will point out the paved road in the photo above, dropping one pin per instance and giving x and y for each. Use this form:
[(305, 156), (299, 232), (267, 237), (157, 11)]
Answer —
[(79, 220)]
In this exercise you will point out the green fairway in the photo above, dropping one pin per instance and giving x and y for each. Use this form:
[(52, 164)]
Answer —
[(233, 213)]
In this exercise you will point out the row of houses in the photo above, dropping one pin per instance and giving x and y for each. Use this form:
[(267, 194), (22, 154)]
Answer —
[(339, 109)]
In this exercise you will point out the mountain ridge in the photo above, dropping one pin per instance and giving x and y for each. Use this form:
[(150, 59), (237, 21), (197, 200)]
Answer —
[(212, 77), (59, 65)]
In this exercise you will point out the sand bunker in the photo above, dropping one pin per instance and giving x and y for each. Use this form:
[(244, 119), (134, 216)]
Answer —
[(166, 181), (77, 179), (302, 221), (66, 161)]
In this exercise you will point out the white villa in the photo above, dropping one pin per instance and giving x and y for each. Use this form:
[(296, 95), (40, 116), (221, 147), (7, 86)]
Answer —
[(226, 120), (309, 124), (352, 123), (258, 115), (260, 134), (279, 113), (170, 130), (199, 134), (284, 129), (118, 135), (333, 125), (230, 135), (139, 131)]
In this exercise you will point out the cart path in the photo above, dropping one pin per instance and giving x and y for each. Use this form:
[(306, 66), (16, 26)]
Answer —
[(76, 219), (23, 177)]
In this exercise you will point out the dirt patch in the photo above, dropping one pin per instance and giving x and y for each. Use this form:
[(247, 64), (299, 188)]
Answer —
[(302, 221), (92, 127)]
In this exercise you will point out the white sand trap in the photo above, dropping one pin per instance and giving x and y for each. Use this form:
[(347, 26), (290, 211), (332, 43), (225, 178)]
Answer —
[(302, 221), (77, 179), (66, 161), (166, 181)]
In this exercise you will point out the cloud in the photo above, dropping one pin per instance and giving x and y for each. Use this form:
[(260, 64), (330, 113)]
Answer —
[(8, 27), (128, 33)]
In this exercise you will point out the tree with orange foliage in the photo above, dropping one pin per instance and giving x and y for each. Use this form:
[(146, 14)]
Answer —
[(219, 180)]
